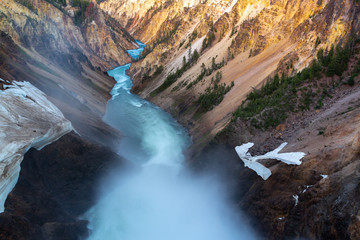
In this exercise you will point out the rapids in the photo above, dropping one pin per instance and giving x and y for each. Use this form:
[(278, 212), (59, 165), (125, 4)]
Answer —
[(162, 201)]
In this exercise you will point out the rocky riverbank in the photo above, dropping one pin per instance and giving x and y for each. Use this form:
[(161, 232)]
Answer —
[(316, 200)]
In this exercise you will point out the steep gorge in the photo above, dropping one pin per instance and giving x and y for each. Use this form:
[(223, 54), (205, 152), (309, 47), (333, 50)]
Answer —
[(245, 42), (44, 44), (249, 43), (255, 39)]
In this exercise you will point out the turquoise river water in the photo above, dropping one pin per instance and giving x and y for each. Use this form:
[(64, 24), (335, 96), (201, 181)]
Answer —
[(162, 201)]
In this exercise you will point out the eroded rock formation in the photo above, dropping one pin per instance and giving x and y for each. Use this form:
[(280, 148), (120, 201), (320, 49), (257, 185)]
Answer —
[(28, 120), (56, 186)]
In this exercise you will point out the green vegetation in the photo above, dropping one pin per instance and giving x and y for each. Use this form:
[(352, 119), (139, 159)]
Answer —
[(60, 4), (193, 36), (158, 70), (165, 38), (317, 42), (28, 4), (268, 106), (208, 41), (233, 31), (86, 10), (214, 94), (210, 37), (168, 35), (206, 72), (181, 44), (172, 77), (336, 61)]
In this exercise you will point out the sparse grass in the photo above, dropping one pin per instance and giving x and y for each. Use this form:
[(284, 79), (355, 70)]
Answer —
[(269, 106), (214, 94), (206, 72), (60, 4), (209, 39), (27, 3), (86, 11), (317, 42), (172, 77)]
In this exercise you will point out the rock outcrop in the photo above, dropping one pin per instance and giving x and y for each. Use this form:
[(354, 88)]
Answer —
[(28, 120), (56, 186), (318, 199), (254, 38), (43, 43)]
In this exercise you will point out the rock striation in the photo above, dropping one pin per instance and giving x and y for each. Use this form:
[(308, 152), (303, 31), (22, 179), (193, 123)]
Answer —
[(45, 44), (254, 38)]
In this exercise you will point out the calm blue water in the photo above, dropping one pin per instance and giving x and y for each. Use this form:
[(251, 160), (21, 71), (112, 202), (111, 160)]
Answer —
[(157, 203)]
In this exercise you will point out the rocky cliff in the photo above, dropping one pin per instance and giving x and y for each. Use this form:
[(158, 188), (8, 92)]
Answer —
[(64, 50), (312, 101), (47, 205), (28, 120), (203, 58), (253, 40)]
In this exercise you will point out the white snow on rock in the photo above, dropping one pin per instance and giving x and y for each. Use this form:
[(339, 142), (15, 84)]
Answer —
[(306, 188), (252, 162), (324, 176), (27, 119), (296, 198)]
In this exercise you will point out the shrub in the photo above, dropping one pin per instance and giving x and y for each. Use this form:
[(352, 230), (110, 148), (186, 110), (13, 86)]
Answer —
[(208, 40), (206, 72), (214, 94), (158, 70), (351, 81), (268, 106), (58, 3), (317, 42), (86, 9), (28, 4), (172, 77)]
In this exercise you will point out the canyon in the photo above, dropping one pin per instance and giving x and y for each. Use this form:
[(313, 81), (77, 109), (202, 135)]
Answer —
[(205, 63)]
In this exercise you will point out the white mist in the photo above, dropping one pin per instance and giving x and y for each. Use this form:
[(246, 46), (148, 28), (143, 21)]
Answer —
[(161, 201)]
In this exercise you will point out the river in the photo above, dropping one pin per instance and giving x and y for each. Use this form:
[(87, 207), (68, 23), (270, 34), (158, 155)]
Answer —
[(162, 201)]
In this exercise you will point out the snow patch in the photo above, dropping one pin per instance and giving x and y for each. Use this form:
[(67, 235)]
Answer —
[(251, 162), (27, 119), (306, 188), (296, 198), (324, 176)]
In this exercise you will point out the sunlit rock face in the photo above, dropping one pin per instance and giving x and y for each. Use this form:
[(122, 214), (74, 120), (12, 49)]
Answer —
[(45, 45), (256, 38), (46, 27), (147, 20), (27, 119)]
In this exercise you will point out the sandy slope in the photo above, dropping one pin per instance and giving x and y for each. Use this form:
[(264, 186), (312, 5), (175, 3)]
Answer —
[(244, 71)]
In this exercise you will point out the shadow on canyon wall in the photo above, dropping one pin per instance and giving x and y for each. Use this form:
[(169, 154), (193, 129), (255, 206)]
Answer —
[(56, 186)]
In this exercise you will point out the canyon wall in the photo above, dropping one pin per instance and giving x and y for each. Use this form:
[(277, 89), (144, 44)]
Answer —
[(249, 42), (65, 56), (254, 40)]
